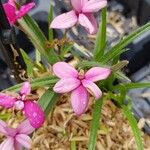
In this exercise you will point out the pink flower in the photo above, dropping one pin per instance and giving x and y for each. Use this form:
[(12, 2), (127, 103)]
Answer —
[(16, 138), (80, 84), (82, 13), (13, 14), (30, 108)]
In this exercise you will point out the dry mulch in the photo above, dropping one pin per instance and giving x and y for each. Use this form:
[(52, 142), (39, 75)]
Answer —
[(62, 128)]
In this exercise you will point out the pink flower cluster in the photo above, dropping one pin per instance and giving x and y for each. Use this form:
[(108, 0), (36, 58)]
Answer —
[(13, 14), (82, 13), (16, 138), (80, 84), (30, 108)]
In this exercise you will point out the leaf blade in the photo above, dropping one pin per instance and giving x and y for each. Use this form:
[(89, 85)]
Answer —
[(48, 100), (128, 86), (117, 49), (38, 82), (94, 124), (50, 17), (34, 33), (101, 37), (135, 129)]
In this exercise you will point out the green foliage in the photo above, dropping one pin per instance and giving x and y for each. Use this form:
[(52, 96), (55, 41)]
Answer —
[(48, 101), (38, 82), (120, 65), (73, 145), (50, 17), (101, 37), (34, 33), (133, 124), (28, 62), (89, 64), (121, 77), (118, 48), (95, 124), (128, 86)]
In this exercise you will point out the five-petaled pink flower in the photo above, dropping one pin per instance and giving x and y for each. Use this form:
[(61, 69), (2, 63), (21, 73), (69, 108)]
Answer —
[(80, 84), (22, 102), (82, 13), (13, 14), (17, 138)]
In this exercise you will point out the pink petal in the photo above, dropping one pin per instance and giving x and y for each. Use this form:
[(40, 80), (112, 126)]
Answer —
[(10, 12), (97, 73), (64, 70), (34, 113), (25, 9), (66, 85), (6, 100), (12, 2), (94, 22), (18, 146), (78, 4), (3, 127), (92, 88), (25, 89), (24, 140), (79, 100), (88, 21), (94, 6), (65, 20), (11, 131), (25, 127), (7, 144)]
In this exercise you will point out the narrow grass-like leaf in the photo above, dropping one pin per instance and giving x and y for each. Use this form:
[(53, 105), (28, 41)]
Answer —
[(89, 64), (117, 49), (128, 86), (37, 56), (120, 65), (73, 145), (135, 129), (28, 63), (101, 37), (50, 17), (48, 100), (34, 33), (95, 124), (121, 76), (38, 82)]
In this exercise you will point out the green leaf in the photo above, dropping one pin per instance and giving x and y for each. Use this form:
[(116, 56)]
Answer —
[(34, 33), (89, 64), (95, 124), (48, 100), (117, 49), (120, 65), (128, 86), (28, 62), (73, 145), (121, 76), (66, 48), (101, 37), (37, 56), (38, 82), (50, 18), (135, 129)]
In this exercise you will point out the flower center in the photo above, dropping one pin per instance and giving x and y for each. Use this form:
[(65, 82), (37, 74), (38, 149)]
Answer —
[(81, 74), (19, 105)]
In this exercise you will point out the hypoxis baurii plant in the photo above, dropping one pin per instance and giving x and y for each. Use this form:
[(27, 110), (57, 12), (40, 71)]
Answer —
[(103, 68)]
